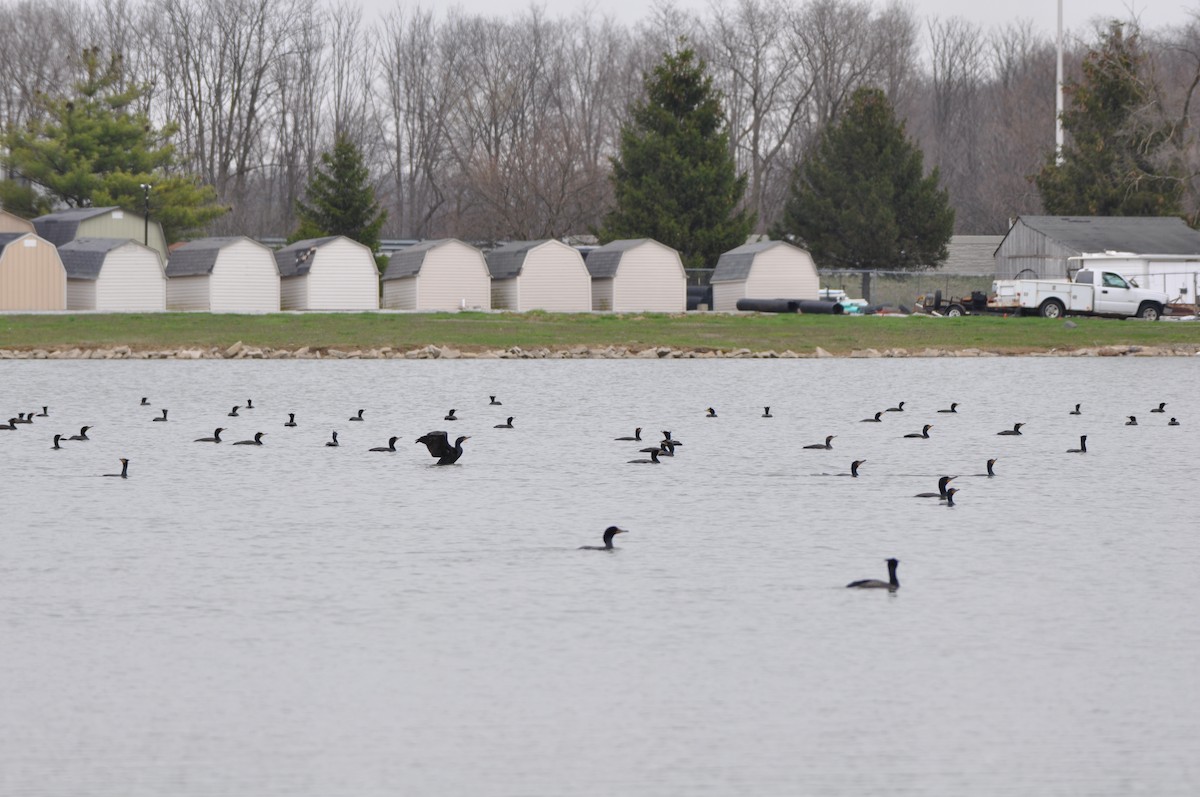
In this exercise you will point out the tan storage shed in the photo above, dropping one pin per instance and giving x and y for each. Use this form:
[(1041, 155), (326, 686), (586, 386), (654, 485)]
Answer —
[(333, 273), (223, 275), (32, 276), (764, 270), (113, 275), (637, 275), (437, 275), (539, 275), (67, 225), (10, 222)]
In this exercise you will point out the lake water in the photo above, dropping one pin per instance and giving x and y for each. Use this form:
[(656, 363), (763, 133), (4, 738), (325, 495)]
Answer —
[(303, 620)]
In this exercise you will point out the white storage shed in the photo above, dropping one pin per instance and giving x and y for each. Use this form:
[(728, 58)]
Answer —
[(113, 275), (223, 275), (539, 275), (446, 274), (637, 275), (764, 270), (332, 273)]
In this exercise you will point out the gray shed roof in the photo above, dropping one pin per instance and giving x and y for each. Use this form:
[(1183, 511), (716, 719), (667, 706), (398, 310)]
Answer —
[(408, 262), (8, 237), (505, 262), (1161, 235), (295, 260), (734, 265), (602, 263), (197, 258), (84, 257), (60, 227)]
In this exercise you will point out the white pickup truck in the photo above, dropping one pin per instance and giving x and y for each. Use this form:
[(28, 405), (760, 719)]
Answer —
[(1091, 293)]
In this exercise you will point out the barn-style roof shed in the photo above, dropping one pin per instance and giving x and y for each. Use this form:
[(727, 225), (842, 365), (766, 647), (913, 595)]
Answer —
[(114, 275), (331, 273), (108, 222), (637, 275), (32, 276), (11, 222), (764, 270), (445, 274), (539, 275), (1039, 246), (223, 275)]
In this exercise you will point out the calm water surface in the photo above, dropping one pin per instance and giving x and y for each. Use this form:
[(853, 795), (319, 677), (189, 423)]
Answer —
[(300, 620)]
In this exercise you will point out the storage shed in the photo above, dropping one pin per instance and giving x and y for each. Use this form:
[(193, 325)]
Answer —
[(446, 274), (223, 275), (539, 275), (67, 225), (31, 274), (113, 275), (1040, 246), (764, 270), (332, 273), (10, 222), (637, 275)]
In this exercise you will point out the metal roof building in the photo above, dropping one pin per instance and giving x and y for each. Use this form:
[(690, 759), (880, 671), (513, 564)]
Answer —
[(1039, 246), (331, 273), (539, 275), (114, 275), (764, 270), (223, 275), (32, 276), (445, 274), (637, 275), (111, 222)]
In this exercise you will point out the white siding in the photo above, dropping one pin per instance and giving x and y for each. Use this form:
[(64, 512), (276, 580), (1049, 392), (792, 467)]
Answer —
[(602, 294), (132, 280), (454, 275), (245, 279), (81, 294), (400, 294), (293, 293), (555, 279), (782, 272), (726, 294), (343, 277), (187, 293), (504, 294), (650, 279)]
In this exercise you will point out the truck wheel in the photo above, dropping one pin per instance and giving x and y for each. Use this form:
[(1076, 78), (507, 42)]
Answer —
[(955, 310), (1051, 308), (1149, 311)]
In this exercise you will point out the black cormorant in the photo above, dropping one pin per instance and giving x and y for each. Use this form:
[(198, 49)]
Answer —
[(291, 421), (390, 447), (145, 402), (249, 404), (163, 418), (56, 446), (609, 533), (953, 408), (854, 468), (711, 413), (257, 441), (216, 438), (11, 426), (653, 452), (767, 412), (450, 416), (1172, 422), (1075, 411), (637, 435), (233, 412), (941, 493), (507, 425), (1015, 430), (358, 417), (950, 496), (877, 419), (124, 474), (898, 408), (924, 433), (892, 584), (45, 413), (493, 401), (827, 445), (439, 446), (1132, 421), (990, 473), (1082, 446), (333, 443), (1161, 407), (82, 434)]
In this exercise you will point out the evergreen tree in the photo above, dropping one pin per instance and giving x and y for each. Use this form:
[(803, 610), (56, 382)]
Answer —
[(862, 199), (674, 177), (341, 200), (1109, 160), (93, 149)]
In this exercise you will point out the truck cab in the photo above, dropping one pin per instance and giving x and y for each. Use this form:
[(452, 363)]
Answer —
[(1114, 295)]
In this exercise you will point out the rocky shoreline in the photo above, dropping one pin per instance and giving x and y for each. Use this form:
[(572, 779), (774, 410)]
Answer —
[(240, 351)]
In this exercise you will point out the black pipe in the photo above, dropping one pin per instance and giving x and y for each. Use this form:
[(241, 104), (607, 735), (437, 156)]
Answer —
[(790, 306), (816, 306)]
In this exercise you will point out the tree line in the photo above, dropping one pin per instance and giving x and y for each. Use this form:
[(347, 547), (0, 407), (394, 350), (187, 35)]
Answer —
[(490, 128)]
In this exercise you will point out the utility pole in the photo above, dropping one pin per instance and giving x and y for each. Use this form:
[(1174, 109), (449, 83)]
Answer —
[(146, 211), (1058, 103)]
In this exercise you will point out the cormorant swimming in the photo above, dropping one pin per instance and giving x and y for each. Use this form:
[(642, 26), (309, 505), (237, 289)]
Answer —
[(163, 418), (1132, 421), (493, 401), (767, 412), (233, 412), (711, 413), (892, 584), (145, 402), (56, 446), (249, 404), (941, 493), (216, 438), (609, 533), (950, 496), (11, 426), (653, 452), (990, 473), (507, 425), (257, 441), (1082, 446), (45, 413), (827, 445), (953, 408), (390, 447), (1075, 411), (854, 468), (637, 435), (124, 474), (1172, 422), (667, 436), (439, 446), (1161, 407), (333, 443), (898, 408), (1015, 430), (291, 421), (82, 434), (877, 419), (450, 417), (358, 417), (22, 419), (924, 433)]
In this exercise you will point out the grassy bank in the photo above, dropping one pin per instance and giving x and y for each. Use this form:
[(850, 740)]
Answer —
[(481, 331)]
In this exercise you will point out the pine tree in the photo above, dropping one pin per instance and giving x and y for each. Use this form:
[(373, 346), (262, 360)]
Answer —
[(674, 177), (862, 199), (92, 149), (340, 199), (1109, 163)]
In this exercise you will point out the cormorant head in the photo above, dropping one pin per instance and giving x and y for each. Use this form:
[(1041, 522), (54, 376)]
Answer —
[(611, 532)]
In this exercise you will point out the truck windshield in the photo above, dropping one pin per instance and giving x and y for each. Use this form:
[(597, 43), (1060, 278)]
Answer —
[(1114, 280)]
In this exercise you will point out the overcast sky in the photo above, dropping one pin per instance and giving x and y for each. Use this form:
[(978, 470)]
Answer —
[(1077, 14)]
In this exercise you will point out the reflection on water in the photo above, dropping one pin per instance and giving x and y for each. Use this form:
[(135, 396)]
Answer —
[(297, 619)]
